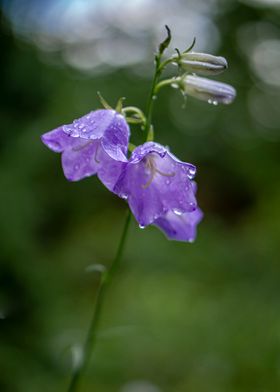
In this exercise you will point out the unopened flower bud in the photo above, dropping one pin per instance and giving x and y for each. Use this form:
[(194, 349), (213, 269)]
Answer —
[(202, 63), (207, 89)]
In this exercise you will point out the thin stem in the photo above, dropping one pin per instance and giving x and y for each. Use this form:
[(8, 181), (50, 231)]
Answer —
[(164, 83), (91, 336), (152, 96)]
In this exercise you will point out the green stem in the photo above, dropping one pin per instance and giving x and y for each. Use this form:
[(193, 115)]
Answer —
[(152, 95), (91, 336), (164, 83)]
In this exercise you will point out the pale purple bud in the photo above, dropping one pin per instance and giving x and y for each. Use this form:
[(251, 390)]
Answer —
[(202, 63), (207, 89)]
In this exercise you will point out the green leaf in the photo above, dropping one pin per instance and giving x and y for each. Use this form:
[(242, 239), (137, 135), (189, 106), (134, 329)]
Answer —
[(164, 44)]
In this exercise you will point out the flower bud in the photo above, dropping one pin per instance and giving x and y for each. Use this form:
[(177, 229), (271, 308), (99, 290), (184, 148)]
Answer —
[(207, 89), (202, 63)]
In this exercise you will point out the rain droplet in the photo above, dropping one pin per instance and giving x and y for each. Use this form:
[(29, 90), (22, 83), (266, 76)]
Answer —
[(212, 102), (191, 173), (167, 182), (77, 167), (141, 226), (177, 211)]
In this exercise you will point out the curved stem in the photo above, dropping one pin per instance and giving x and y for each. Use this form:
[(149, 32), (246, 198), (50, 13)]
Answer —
[(168, 61), (164, 83), (152, 96), (91, 336)]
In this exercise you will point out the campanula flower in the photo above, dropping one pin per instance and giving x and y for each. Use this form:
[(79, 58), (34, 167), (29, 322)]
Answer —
[(202, 63), (154, 182), (207, 89), (93, 144)]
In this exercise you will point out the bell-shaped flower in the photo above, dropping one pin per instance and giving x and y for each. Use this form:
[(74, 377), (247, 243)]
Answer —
[(93, 144), (206, 89), (202, 63), (154, 182)]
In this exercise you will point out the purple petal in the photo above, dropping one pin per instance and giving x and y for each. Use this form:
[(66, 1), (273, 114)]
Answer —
[(180, 227), (79, 161), (57, 140), (115, 138), (109, 169), (78, 155), (154, 181), (92, 125), (107, 125)]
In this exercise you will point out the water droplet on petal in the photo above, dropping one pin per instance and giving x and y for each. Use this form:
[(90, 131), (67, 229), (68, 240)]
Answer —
[(167, 182), (177, 211), (141, 226), (77, 167), (191, 173)]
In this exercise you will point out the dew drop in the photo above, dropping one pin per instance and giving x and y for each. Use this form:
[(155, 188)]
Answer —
[(191, 173), (167, 182), (212, 102), (177, 211), (77, 167), (141, 226)]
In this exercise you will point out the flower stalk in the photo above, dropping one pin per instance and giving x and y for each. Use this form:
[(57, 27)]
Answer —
[(91, 336)]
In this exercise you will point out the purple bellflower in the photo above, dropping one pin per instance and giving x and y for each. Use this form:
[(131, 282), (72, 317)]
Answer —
[(158, 186), (93, 144)]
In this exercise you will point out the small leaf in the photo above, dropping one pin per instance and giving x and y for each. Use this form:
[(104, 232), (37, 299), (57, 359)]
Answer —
[(119, 105), (191, 46), (103, 102), (77, 356), (164, 44), (96, 268)]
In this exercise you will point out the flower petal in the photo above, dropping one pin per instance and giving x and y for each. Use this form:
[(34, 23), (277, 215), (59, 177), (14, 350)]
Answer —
[(80, 160), (115, 138), (57, 140), (109, 170), (180, 227), (92, 125)]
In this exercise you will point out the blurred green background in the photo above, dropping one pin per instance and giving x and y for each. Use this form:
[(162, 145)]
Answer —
[(201, 317)]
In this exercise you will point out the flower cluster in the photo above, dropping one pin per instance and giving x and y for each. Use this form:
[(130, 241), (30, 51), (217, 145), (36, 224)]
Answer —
[(158, 187)]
